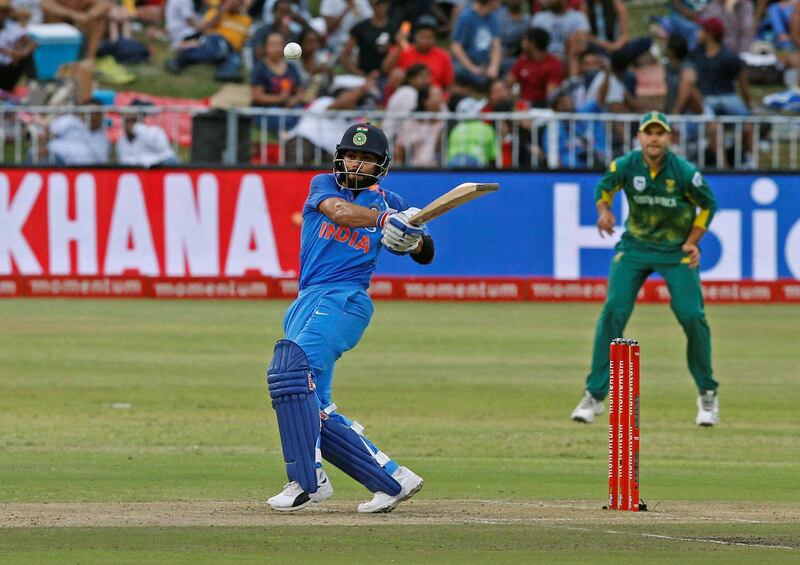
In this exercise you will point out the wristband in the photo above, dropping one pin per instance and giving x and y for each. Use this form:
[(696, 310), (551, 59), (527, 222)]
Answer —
[(425, 256), (381, 220)]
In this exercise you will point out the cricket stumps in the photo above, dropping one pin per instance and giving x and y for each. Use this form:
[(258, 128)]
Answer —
[(623, 426)]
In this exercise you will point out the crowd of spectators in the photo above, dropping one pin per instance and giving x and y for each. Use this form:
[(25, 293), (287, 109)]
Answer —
[(465, 57), (84, 139)]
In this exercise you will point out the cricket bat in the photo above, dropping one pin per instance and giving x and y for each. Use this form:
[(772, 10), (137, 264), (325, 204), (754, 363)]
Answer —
[(460, 195)]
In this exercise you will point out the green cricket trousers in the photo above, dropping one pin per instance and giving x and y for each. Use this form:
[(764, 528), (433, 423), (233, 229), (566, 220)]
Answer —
[(628, 272)]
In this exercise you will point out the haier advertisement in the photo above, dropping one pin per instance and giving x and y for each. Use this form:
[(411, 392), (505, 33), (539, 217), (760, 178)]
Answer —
[(543, 224)]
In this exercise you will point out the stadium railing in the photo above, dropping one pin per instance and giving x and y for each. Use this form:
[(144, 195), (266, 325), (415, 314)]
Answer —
[(533, 139)]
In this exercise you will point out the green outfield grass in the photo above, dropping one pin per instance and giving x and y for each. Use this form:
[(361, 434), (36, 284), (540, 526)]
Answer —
[(103, 402)]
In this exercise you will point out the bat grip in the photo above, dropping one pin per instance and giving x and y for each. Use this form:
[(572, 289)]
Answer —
[(414, 221)]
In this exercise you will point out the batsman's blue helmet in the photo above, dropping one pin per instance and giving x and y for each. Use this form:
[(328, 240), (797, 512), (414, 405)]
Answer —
[(368, 138)]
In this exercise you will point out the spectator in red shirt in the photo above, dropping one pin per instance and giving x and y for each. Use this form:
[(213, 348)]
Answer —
[(537, 72), (422, 51)]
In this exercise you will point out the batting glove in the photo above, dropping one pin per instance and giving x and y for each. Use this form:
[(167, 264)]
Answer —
[(399, 235), (383, 216)]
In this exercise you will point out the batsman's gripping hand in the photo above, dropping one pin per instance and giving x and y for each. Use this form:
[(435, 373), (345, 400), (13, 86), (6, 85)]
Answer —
[(399, 235)]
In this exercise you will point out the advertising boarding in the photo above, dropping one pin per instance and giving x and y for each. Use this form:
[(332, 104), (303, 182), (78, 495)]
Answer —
[(235, 233)]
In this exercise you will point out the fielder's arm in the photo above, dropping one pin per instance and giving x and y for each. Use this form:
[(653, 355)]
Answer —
[(606, 220), (698, 193), (690, 246), (612, 181), (695, 235)]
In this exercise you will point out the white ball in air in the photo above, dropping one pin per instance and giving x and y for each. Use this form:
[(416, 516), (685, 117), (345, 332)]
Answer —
[(292, 51)]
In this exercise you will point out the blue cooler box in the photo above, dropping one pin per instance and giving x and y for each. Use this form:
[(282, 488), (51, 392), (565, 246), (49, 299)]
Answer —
[(58, 44), (105, 97)]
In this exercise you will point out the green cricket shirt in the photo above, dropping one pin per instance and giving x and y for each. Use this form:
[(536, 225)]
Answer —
[(664, 204), (473, 138)]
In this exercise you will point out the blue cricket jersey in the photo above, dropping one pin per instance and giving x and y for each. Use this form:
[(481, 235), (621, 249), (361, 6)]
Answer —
[(330, 253)]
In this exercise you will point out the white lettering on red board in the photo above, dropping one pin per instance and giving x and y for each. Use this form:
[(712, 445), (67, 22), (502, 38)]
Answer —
[(13, 216), (130, 241), (192, 238), (82, 229), (191, 224), (252, 223)]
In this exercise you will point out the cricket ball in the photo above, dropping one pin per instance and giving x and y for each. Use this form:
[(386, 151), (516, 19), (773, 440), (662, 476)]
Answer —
[(292, 51)]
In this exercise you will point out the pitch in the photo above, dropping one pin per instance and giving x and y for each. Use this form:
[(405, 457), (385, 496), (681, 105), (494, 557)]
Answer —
[(136, 431)]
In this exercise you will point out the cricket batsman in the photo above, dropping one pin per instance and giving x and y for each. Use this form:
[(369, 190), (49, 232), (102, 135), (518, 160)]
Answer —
[(671, 207), (347, 219)]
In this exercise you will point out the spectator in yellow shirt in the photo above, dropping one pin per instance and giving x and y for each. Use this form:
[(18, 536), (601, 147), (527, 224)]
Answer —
[(226, 29)]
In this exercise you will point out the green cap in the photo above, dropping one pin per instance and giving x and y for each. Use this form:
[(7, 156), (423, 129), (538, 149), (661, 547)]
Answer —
[(654, 118)]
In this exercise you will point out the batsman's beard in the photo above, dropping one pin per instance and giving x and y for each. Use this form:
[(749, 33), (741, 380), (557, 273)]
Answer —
[(355, 179)]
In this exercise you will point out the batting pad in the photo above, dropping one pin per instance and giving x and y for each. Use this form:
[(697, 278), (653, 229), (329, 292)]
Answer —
[(343, 445), (291, 388)]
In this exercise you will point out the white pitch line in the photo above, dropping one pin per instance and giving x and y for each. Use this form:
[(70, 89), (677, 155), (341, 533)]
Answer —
[(619, 533)]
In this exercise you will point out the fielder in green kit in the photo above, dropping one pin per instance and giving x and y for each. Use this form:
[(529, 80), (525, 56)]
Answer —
[(671, 206)]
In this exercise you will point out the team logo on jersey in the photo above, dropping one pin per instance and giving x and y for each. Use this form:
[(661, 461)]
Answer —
[(639, 183), (697, 179), (670, 185)]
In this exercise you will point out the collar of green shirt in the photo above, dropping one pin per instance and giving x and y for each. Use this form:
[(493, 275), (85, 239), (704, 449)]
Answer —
[(661, 166)]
